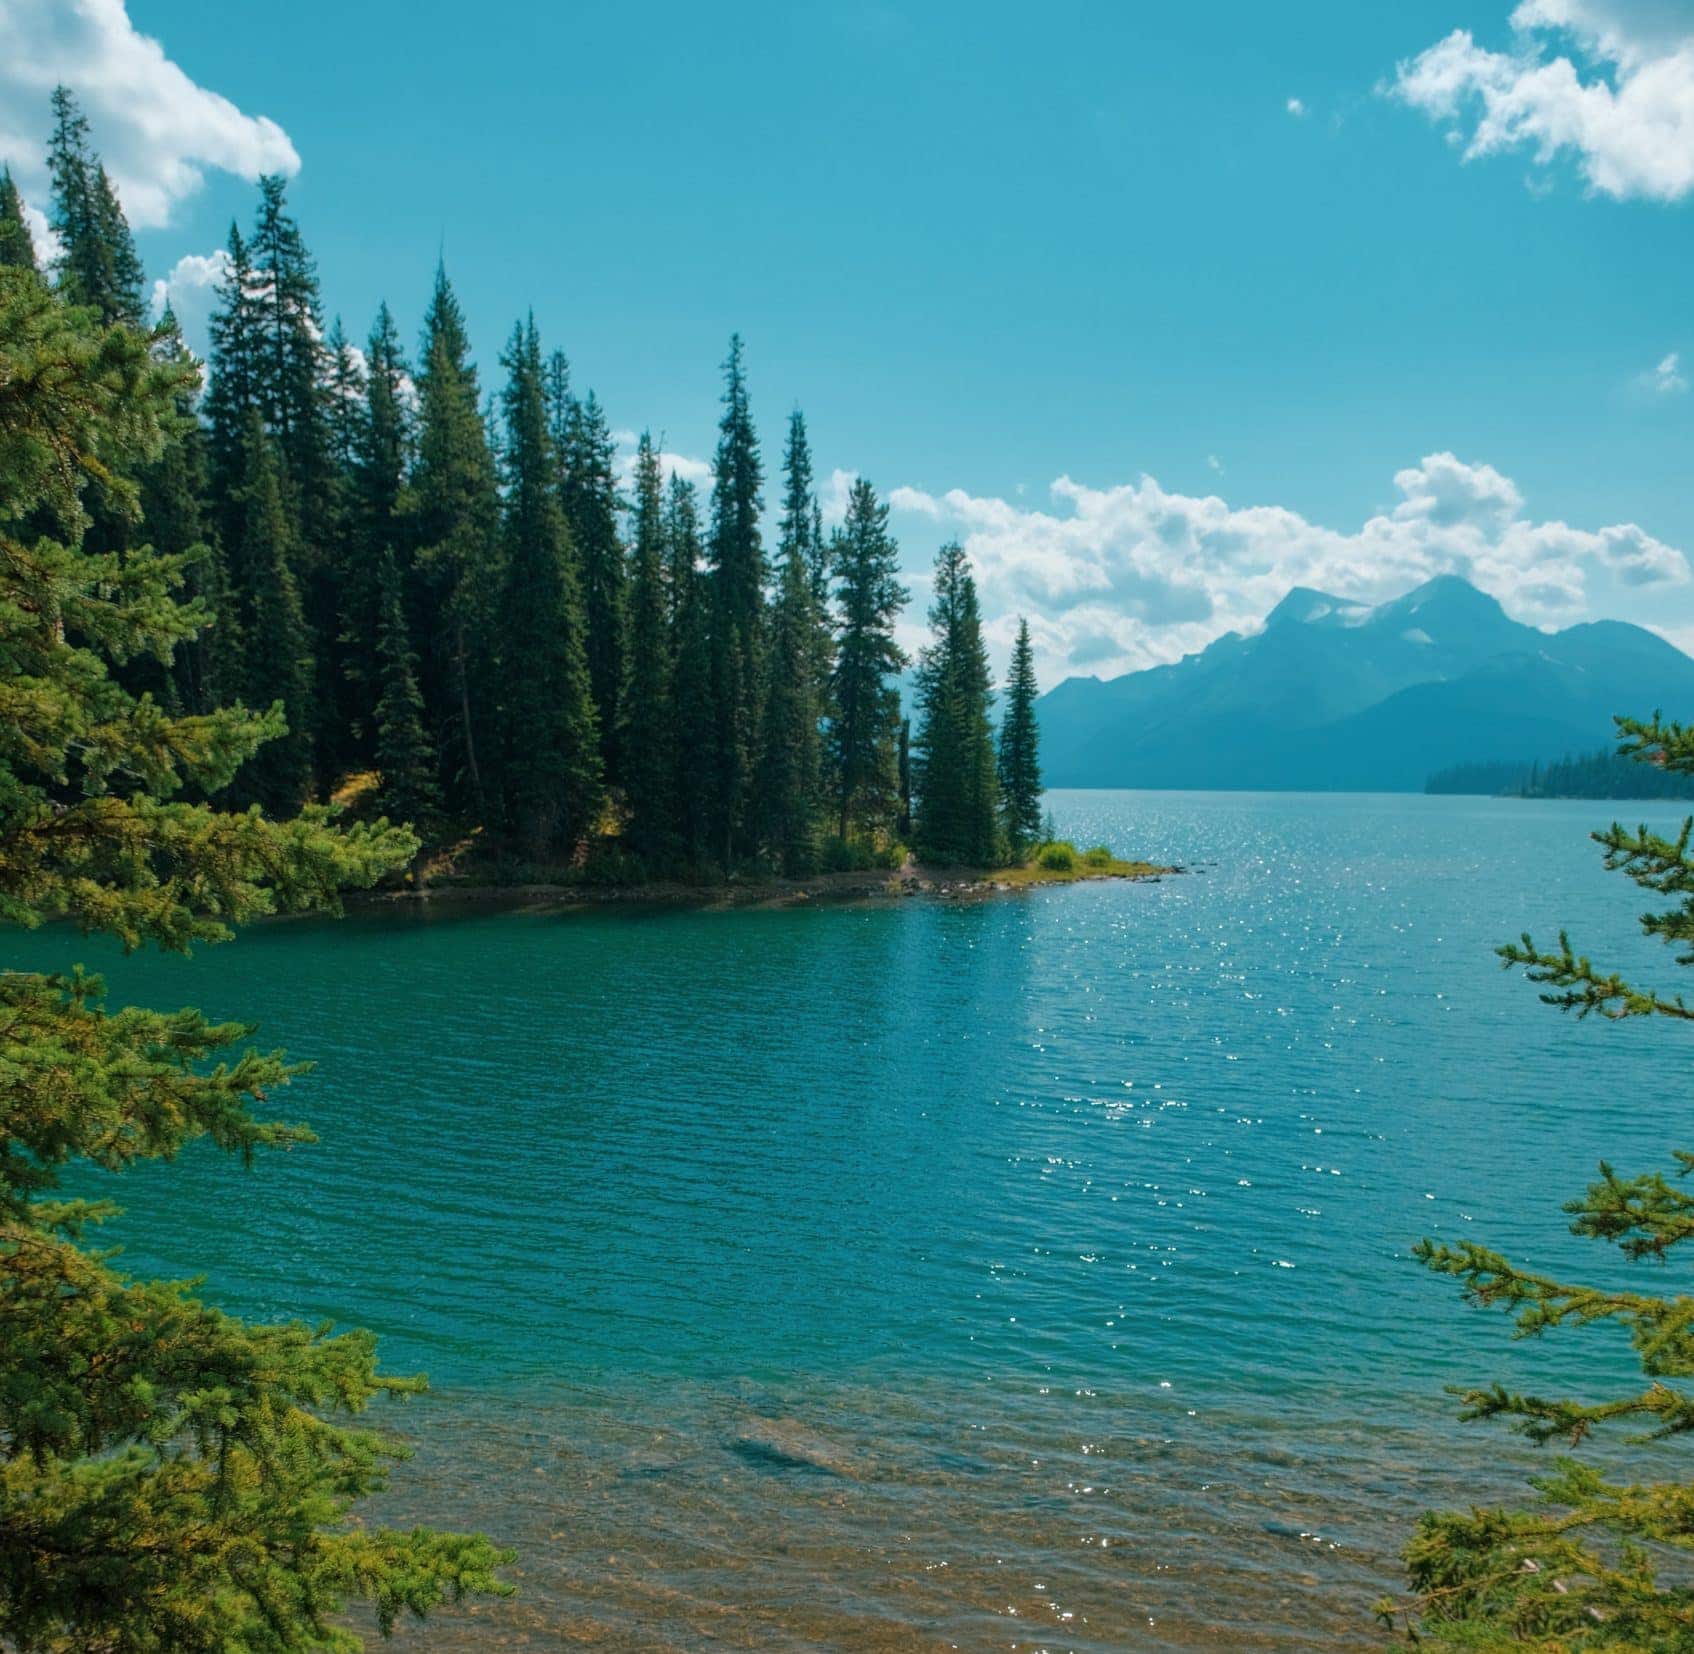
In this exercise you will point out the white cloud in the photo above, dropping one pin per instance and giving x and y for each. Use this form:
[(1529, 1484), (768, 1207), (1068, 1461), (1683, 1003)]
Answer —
[(191, 291), (1620, 100), (1130, 576), (1667, 379), (833, 499), (1296, 108), (686, 466), (1214, 463), (156, 130)]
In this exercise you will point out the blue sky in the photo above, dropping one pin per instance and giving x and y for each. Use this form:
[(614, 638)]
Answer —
[(989, 246)]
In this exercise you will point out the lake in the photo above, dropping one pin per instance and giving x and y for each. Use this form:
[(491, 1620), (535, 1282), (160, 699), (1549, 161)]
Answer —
[(1021, 1273)]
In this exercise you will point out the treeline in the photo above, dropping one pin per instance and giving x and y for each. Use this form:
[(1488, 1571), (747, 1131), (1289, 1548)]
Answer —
[(1600, 774), (454, 596)]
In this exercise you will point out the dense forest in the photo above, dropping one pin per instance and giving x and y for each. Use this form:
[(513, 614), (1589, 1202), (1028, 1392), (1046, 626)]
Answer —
[(1594, 775), (466, 619)]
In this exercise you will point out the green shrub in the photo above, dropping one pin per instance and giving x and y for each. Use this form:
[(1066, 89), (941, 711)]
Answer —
[(1099, 856), (1057, 858)]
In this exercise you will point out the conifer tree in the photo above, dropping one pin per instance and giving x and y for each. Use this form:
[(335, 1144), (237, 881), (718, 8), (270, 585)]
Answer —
[(866, 705), (649, 736), (550, 766), (589, 496), (279, 657), (236, 334), (404, 756), (97, 263), (17, 245), (1594, 1562), (456, 529), (801, 530), (1020, 753), (171, 1477), (737, 560), (377, 463), (953, 774), (696, 725)]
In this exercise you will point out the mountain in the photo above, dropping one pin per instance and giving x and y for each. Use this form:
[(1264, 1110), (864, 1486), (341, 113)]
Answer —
[(1334, 695)]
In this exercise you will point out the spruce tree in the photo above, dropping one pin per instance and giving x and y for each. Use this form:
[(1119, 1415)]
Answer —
[(405, 758), (691, 647), (790, 767), (550, 761), (1020, 754), (377, 463), (953, 773), (97, 263), (736, 556), (17, 245), (865, 730), (236, 333), (648, 744), (1593, 1562), (173, 1477), (279, 654), (455, 526), (589, 496)]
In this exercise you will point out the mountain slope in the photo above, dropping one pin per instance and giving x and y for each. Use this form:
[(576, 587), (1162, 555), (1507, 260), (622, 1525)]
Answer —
[(1332, 695)]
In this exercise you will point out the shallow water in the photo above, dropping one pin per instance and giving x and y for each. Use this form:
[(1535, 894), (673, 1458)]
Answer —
[(1019, 1273)]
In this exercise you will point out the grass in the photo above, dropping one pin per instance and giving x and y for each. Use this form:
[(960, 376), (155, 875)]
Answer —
[(1062, 863)]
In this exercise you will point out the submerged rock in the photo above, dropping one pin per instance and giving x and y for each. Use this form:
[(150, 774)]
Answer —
[(785, 1444)]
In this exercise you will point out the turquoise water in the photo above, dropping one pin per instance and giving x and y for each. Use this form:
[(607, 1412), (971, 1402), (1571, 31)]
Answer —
[(1021, 1273)]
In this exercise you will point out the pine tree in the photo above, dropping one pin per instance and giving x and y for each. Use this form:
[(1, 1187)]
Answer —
[(1020, 754), (1592, 1562), (97, 264), (17, 245), (648, 744), (953, 773), (589, 496), (279, 658), (377, 463), (455, 512), (551, 753), (691, 647), (173, 1477), (736, 616), (790, 768), (866, 705), (801, 531), (236, 332), (404, 756)]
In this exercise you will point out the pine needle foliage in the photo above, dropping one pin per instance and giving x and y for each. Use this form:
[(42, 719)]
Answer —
[(1595, 1562), (170, 1477)]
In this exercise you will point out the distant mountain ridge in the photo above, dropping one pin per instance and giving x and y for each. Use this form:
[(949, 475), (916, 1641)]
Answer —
[(1335, 695)]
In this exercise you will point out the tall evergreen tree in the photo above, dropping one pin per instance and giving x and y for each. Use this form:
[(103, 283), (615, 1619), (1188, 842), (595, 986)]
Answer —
[(801, 533), (648, 745), (405, 757), (691, 647), (866, 704), (97, 263), (737, 560), (1595, 1559), (17, 245), (589, 496), (236, 332), (377, 463), (171, 1477), (456, 529), (550, 767), (1020, 753), (279, 655), (953, 773)]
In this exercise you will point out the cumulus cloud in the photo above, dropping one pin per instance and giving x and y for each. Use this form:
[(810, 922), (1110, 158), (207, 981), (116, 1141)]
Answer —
[(686, 466), (1296, 107), (156, 129), (1619, 98), (1666, 379), (190, 291), (1130, 576)]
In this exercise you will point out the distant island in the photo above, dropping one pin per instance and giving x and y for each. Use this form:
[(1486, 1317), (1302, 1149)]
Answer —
[(1332, 695), (1594, 775)]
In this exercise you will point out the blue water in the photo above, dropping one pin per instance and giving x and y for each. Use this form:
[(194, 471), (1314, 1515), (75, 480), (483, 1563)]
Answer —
[(1017, 1273)]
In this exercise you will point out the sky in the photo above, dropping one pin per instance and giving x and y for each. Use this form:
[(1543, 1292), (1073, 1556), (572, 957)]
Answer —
[(1159, 309)]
